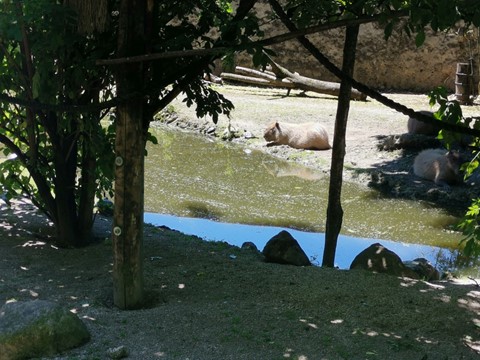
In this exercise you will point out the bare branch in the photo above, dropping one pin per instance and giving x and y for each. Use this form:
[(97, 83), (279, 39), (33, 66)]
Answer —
[(66, 107), (260, 43)]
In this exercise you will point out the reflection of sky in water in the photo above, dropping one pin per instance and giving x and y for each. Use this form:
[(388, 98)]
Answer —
[(312, 243)]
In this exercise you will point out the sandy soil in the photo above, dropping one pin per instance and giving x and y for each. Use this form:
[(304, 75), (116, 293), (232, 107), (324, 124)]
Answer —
[(212, 301)]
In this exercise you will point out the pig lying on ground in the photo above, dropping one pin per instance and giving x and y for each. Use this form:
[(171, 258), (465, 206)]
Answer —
[(417, 127), (438, 165), (310, 136)]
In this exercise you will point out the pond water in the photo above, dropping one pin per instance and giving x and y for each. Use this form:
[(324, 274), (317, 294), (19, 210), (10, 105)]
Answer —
[(311, 242), (190, 176)]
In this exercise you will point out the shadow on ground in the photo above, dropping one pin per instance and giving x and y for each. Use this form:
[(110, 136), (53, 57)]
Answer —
[(395, 178)]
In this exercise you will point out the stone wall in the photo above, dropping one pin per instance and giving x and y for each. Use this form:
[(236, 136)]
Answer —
[(396, 64)]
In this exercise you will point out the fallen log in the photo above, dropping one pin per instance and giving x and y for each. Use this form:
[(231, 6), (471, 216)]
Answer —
[(309, 84), (281, 83), (256, 73), (323, 87), (283, 78)]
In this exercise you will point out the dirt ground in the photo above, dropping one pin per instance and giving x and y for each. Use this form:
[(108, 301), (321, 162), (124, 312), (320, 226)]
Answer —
[(210, 300)]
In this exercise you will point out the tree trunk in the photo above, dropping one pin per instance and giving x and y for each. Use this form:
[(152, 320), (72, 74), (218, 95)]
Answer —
[(129, 163), (65, 178), (88, 176), (129, 207), (334, 209), (87, 191), (92, 15), (269, 75)]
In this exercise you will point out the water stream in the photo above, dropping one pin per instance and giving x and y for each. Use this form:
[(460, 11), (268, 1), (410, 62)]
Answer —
[(189, 176)]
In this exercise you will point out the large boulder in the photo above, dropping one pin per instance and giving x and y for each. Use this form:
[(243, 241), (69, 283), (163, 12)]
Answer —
[(284, 249), (378, 258), (38, 328)]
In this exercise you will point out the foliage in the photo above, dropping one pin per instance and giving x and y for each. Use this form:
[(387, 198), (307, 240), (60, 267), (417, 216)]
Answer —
[(214, 27), (470, 226), (411, 16), (450, 111), (209, 101), (59, 159)]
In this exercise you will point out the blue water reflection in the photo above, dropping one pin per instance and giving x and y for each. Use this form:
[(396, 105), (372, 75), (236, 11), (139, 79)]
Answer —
[(312, 243)]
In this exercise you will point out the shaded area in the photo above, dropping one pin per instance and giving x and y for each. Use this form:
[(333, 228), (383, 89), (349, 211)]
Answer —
[(395, 178), (20, 218), (201, 210), (204, 301)]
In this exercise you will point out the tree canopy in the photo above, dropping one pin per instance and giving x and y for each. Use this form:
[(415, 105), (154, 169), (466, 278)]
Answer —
[(60, 160)]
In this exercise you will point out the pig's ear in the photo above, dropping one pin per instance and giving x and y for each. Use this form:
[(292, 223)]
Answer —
[(277, 125)]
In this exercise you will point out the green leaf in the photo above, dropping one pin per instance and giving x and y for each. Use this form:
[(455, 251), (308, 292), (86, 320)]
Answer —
[(476, 18), (152, 138), (420, 38), (388, 30)]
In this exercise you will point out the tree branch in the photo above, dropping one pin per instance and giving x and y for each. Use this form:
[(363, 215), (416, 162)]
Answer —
[(195, 68), (260, 43), (67, 107), (39, 180)]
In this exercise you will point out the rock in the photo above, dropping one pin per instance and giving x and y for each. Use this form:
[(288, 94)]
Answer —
[(38, 328), (230, 133), (284, 249), (211, 130), (248, 135), (378, 258), (424, 269), (119, 352), (248, 245)]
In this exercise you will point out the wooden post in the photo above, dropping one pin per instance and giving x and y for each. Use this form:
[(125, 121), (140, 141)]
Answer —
[(129, 163), (463, 83), (129, 208), (334, 208)]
